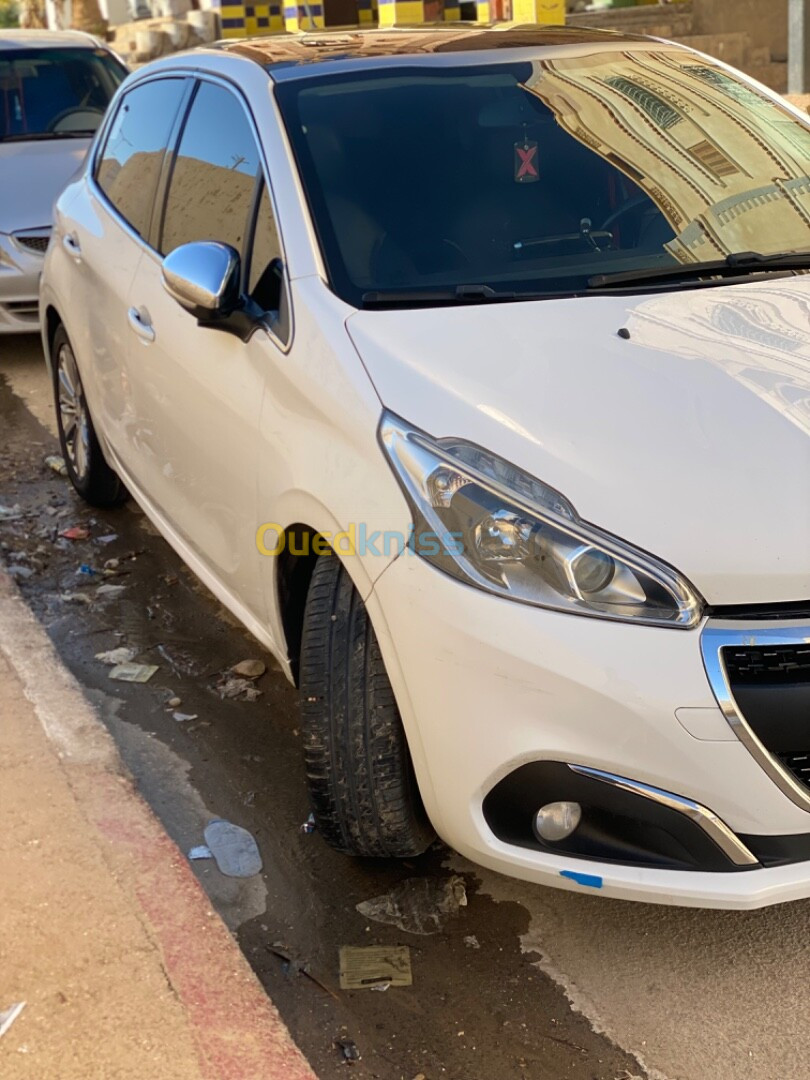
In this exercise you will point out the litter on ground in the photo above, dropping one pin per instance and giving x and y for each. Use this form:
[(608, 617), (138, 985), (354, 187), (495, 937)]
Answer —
[(371, 966), (234, 849), (139, 673), (348, 1048), (9, 1015), (110, 590), (115, 657), (56, 463), (249, 669), (418, 905), (231, 687)]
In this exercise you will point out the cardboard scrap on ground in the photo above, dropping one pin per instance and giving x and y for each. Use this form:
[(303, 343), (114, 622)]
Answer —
[(375, 965), (133, 672)]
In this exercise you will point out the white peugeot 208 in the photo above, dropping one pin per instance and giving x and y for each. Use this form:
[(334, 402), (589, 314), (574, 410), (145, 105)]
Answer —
[(471, 370)]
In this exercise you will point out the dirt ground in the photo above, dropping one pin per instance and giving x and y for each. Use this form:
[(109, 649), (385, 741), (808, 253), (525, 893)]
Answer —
[(694, 995), (478, 1007)]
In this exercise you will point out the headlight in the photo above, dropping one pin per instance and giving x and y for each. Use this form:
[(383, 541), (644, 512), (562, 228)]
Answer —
[(487, 523)]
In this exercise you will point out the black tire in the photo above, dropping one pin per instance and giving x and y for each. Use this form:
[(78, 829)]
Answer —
[(89, 473), (364, 794)]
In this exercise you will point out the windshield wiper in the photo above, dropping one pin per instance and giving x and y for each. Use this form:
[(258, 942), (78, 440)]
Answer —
[(736, 264), (42, 136), (474, 294)]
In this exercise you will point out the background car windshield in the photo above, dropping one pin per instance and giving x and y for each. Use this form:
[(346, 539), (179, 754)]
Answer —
[(55, 92), (537, 175)]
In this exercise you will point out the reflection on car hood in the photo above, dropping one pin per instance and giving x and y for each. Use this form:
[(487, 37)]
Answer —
[(690, 439), (32, 176)]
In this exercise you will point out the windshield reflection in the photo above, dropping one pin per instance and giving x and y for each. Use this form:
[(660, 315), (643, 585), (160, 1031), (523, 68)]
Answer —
[(726, 165)]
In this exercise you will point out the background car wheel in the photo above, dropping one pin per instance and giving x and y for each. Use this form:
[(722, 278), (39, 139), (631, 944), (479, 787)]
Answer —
[(363, 790), (89, 473)]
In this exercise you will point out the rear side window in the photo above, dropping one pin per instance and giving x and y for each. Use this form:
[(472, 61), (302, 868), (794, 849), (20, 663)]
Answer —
[(130, 163), (214, 177)]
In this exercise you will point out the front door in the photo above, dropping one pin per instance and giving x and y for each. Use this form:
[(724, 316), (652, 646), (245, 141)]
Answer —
[(199, 391)]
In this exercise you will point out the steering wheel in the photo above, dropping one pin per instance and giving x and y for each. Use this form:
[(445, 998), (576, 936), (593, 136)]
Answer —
[(632, 206), (453, 246), (94, 118)]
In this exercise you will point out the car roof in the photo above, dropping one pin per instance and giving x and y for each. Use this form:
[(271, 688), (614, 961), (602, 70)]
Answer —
[(280, 54), (47, 39)]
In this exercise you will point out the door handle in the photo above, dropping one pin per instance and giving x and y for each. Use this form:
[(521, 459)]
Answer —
[(72, 246), (139, 321)]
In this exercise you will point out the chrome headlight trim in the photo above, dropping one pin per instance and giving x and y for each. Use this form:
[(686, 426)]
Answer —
[(426, 467)]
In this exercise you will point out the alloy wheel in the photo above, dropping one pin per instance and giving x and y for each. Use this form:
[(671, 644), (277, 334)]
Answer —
[(73, 412)]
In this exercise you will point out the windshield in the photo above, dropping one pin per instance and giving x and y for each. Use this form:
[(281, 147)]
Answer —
[(535, 176), (55, 93)]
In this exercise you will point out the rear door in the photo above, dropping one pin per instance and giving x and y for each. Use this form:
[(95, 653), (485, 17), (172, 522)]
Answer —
[(104, 232), (199, 390)]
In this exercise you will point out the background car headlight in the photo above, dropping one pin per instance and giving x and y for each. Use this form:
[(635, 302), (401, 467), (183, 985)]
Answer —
[(491, 525)]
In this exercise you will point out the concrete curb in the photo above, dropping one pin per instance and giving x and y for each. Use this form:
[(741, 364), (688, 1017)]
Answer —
[(237, 1030)]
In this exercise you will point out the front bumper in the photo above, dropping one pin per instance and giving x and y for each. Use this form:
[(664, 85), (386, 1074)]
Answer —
[(486, 686), (21, 259)]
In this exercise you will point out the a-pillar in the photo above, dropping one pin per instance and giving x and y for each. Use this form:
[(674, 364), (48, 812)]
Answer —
[(550, 12)]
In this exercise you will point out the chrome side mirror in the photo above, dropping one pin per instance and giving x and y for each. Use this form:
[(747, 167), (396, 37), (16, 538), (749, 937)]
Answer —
[(203, 277)]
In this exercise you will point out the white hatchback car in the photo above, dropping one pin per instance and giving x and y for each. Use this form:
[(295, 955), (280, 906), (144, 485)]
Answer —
[(54, 89), (471, 370)]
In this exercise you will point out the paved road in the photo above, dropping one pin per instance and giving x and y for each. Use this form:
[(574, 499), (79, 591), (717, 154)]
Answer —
[(561, 987)]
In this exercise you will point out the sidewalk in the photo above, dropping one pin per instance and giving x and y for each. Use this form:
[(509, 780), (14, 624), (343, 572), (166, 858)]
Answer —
[(105, 932)]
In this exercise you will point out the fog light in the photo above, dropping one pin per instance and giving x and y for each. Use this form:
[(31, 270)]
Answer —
[(556, 820)]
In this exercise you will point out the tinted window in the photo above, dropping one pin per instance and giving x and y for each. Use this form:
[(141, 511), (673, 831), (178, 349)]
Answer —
[(130, 164), (213, 181), (264, 281), (57, 93), (535, 176)]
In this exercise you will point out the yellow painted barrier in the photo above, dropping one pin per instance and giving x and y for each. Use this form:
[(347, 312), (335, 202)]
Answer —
[(549, 12)]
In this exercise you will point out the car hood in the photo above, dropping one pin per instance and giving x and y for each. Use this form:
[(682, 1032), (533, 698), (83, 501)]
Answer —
[(32, 176), (690, 438)]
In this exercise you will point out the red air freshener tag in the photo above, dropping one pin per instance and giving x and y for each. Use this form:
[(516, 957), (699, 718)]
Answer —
[(526, 171)]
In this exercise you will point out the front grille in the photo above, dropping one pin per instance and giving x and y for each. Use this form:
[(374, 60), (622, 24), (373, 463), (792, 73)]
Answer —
[(798, 764), (771, 688), (777, 664), (37, 242)]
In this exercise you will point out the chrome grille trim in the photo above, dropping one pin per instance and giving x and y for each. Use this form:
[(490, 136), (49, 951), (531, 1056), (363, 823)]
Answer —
[(717, 636)]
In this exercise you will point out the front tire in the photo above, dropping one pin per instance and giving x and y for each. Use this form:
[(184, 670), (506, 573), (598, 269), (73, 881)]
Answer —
[(89, 473), (364, 794)]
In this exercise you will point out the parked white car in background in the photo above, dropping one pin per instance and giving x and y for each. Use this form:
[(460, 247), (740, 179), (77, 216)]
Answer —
[(54, 88), (471, 370)]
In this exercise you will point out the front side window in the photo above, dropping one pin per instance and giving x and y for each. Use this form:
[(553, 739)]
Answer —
[(130, 163), (55, 93), (264, 281), (265, 270), (214, 176), (537, 176)]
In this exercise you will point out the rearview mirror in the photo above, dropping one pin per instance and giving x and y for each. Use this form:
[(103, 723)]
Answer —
[(203, 278)]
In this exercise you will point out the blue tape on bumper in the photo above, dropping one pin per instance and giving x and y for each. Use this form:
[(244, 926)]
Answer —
[(591, 880)]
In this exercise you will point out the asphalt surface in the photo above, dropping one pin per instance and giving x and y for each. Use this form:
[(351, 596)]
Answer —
[(519, 982)]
